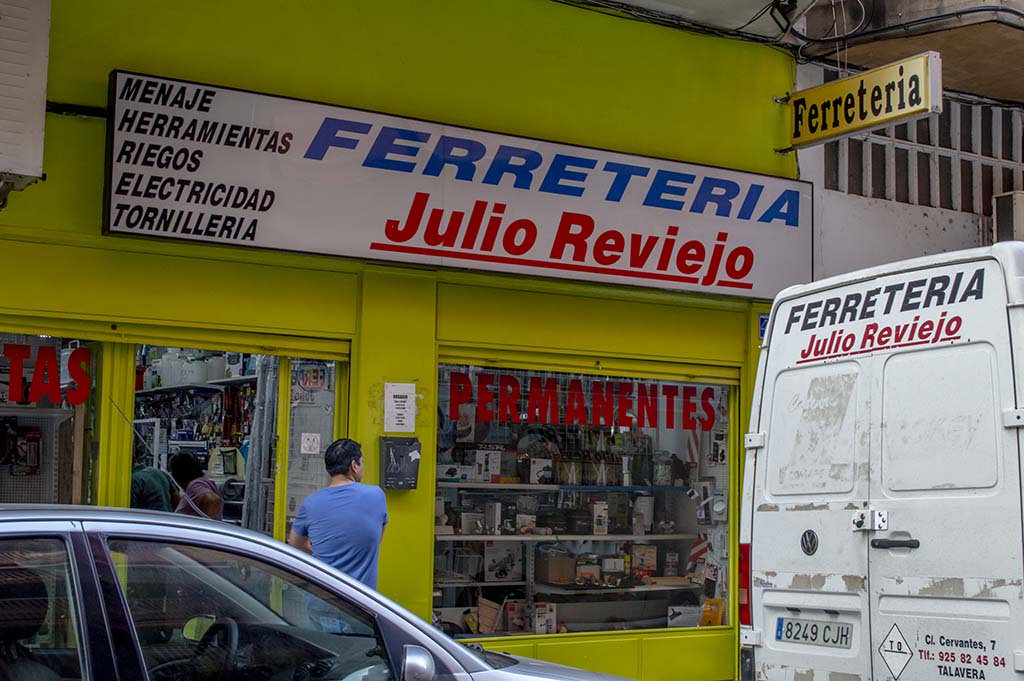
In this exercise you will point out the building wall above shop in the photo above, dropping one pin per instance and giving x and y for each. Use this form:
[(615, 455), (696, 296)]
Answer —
[(535, 68)]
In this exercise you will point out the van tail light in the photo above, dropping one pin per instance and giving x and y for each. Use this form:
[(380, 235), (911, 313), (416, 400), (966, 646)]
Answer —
[(744, 585)]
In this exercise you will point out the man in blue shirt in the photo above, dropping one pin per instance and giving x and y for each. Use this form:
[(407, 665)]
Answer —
[(343, 523)]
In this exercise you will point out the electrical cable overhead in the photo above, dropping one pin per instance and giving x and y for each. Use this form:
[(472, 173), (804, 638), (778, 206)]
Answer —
[(996, 9), (623, 10)]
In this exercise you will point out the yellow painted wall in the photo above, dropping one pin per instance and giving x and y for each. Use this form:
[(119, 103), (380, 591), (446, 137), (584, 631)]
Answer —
[(536, 68), (396, 344)]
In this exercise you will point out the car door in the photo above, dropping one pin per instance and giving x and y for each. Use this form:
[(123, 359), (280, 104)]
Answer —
[(210, 605), (945, 576), (52, 624)]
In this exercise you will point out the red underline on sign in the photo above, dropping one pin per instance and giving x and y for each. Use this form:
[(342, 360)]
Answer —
[(877, 348), (480, 257)]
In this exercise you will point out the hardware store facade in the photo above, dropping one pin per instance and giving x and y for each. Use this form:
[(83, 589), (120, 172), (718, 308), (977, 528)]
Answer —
[(552, 285)]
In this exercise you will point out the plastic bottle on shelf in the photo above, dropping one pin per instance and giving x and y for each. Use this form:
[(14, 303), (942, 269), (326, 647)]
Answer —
[(171, 366), (216, 366), (151, 379), (193, 371)]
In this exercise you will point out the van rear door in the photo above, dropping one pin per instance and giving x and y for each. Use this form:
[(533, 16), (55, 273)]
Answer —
[(945, 576), (808, 569)]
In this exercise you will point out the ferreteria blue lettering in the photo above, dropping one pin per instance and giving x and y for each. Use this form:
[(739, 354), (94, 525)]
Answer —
[(409, 150), (918, 294)]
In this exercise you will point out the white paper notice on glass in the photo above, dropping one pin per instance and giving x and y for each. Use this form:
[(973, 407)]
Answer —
[(310, 443), (399, 407)]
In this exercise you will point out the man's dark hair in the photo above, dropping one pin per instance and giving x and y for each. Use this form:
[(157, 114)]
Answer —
[(185, 468), (340, 455)]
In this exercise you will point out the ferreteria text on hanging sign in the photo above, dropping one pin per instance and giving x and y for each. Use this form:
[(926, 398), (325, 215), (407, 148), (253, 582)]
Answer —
[(216, 165), (907, 89)]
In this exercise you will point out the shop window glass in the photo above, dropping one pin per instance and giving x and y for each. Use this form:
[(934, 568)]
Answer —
[(46, 396), (575, 503), (313, 392), (213, 414)]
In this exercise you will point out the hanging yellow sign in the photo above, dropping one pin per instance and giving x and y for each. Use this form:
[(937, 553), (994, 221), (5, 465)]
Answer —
[(902, 90)]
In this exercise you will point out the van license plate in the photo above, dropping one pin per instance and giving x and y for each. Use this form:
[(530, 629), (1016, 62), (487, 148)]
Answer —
[(814, 632)]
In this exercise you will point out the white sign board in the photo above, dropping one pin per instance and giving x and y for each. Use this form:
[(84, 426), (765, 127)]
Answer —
[(399, 407), (217, 165)]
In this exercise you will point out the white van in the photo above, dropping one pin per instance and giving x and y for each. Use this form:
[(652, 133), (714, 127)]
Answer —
[(881, 534)]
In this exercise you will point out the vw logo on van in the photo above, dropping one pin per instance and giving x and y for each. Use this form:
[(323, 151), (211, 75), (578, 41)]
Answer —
[(809, 542)]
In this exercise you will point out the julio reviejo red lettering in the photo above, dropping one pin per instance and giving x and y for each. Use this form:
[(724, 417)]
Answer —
[(623, 403), (491, 232)]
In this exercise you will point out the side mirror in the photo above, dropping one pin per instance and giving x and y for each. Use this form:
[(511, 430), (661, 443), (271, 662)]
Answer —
[(195, 628), (417, 664)]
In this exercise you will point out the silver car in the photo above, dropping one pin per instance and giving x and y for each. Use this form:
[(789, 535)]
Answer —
[(88, 593)]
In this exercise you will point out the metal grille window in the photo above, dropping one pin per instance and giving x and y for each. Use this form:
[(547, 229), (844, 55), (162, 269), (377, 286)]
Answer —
[(957, 159)]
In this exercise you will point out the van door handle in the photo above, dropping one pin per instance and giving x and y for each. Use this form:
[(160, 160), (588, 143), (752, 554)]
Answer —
[(895, 544)]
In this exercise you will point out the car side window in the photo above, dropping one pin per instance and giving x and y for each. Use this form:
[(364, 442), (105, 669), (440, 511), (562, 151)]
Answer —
[(202, 613), (39, 638)]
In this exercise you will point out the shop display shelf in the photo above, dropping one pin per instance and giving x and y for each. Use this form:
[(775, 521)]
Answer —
[(556, 590), (29, 410), (547, 538), (459, 585), (162, 390), (556, 488), (515, 487), (237, 380)]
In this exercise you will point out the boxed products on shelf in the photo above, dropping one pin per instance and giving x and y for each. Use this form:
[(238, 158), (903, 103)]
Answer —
[(541, 471), (644, 560), (588, 570), (644, 507), (545, 618), (526, 523), (503, 562), (600, 510), (453, 472), (555, 568), (516, 619), (492, 517), (488, 463), (471, 523)]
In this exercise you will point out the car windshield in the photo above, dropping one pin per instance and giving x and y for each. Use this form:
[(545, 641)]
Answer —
[(201, 613)]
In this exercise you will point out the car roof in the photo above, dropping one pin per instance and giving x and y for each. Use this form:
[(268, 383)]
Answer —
[(57, 512)]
